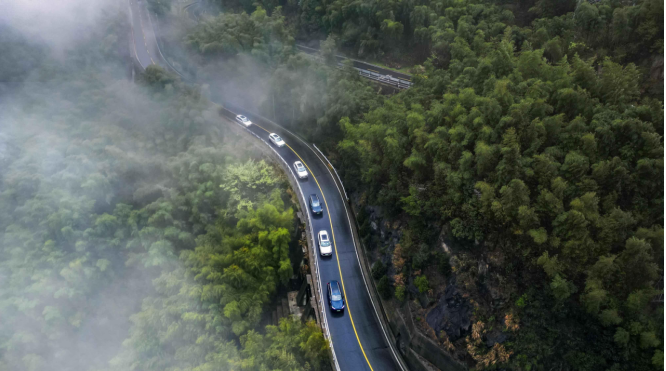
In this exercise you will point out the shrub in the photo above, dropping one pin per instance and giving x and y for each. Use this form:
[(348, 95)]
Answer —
[(421, 283), (400, 293), (384, 288), (379, 270), (443, 263)]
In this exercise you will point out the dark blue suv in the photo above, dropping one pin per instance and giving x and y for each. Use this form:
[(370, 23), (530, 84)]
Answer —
[(335, 299), (315, 205)]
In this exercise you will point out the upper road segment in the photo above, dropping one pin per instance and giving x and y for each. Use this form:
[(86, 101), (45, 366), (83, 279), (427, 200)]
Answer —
[(143, 40), (370, 71)]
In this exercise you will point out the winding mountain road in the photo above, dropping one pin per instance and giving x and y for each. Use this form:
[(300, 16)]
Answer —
[(358, 340)]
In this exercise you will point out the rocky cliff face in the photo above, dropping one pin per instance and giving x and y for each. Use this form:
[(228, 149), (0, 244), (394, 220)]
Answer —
[(452, 314), (471, 297)]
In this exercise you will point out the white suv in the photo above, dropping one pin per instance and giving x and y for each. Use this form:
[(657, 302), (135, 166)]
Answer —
[(276, 139), (325, 248), (243, 120), (300, 170)]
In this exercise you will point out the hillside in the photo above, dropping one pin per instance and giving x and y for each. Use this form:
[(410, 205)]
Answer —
[(521, 177)]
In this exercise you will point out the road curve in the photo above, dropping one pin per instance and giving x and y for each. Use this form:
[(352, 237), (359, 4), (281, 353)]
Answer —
[(357, 338)]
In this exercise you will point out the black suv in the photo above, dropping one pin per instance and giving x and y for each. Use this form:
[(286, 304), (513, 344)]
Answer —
[(315, 205)]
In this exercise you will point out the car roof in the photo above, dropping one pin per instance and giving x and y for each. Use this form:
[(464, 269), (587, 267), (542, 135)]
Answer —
[(335, 287), (298, 163), (323, 234), (241, 116)]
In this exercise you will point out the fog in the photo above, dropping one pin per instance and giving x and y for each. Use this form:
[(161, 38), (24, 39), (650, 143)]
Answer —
[(60, 24), (76, 138), (106, 178)]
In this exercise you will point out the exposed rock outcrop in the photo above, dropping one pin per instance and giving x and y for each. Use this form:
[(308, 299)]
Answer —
[(452, 314)]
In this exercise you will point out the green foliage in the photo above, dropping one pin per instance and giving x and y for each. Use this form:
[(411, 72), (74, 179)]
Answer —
[(19, 57), (421, 283), (290, 345), (658, 359), (249, 261), (379, 270), (400, 292), (621, 336), (540, 160), (328, 50), (229, 34), (522, 301), (562, 288), (384, 287), (443, 265), (159, 7)]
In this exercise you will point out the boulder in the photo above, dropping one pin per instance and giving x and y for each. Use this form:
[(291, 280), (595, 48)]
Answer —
[(425, 300), (493, 338), (452, 314)]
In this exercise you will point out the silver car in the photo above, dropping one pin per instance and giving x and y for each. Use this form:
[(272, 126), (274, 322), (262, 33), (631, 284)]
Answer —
[(276, 139), (300, 170), (325, 247), (243, 120)]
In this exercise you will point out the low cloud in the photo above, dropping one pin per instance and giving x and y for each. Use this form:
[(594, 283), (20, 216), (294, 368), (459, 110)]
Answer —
[(59, 24)]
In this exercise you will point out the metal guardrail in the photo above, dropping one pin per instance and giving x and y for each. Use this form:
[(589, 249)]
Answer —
[(384, 79)]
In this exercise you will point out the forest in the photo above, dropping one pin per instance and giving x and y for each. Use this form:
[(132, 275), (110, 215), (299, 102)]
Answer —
[(532, 140), (136, 231)]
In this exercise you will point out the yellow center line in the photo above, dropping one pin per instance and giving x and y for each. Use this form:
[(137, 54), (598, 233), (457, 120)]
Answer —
[(342, 281)]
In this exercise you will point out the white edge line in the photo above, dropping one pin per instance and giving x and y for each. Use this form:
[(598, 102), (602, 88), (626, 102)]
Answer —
[(327, 333)]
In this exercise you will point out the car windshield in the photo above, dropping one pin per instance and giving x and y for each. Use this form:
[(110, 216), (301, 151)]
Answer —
[(242, 118), (325, 242), (300, 167), (336, 297), (277, 137)]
